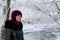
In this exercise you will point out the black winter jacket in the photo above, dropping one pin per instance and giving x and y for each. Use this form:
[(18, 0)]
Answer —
[(13, 31)]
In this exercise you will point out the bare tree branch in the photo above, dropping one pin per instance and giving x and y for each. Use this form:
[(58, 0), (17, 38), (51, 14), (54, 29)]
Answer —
[(56, 6), (42, 11), (46, 13), (49, 2)]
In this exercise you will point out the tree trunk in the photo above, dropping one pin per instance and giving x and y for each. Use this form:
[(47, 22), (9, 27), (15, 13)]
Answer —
[(6, 11)]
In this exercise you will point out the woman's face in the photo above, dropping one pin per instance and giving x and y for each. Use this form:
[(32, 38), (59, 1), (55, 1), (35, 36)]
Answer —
[(18, 18)]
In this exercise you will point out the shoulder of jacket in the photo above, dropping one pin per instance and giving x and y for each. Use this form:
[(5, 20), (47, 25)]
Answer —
[(8, 21)]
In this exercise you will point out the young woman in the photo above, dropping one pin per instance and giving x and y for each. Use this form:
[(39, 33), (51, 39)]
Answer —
[(13, 27)]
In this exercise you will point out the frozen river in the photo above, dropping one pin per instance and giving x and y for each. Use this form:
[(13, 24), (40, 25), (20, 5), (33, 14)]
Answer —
[(41, 36)]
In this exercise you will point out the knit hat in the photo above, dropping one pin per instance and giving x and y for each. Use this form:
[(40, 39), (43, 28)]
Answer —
[(15, 13)]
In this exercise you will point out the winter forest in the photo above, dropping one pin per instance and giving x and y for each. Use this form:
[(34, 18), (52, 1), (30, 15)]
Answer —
[(41, 18)]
